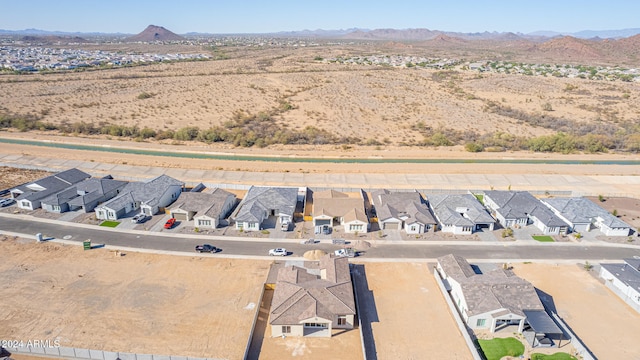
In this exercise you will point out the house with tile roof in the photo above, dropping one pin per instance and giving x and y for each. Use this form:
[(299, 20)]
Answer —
[(149, 197), (261, 202), (205, 209), (85, 195), (624, 280), (332, 208), (403, 210), (520, 208), (488, 301), (29, 196), (460, 214), (582, 215), (313, 299)]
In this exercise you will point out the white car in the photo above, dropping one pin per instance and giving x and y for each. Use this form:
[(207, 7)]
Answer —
[(6, 202), (278, 252), (140, 218)]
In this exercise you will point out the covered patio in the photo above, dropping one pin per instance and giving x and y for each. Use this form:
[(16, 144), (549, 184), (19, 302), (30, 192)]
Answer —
[(543, 330)]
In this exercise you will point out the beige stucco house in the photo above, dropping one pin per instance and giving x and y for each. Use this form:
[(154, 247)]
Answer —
[(313, 299), (331, 208)]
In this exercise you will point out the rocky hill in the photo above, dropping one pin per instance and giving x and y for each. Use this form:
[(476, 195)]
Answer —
[(155, 33)]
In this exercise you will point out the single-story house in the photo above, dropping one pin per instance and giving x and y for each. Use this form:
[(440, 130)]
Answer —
[(582, 215), (85, 195), (261, 202), (403, 210), (149, 197), (331, 208), (206, 210), (493, 299), (313, 299), (520, 208), (29, 196), (460, 214), (624, 280)]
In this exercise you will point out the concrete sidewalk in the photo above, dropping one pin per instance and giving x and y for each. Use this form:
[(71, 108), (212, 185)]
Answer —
[(576, 185)]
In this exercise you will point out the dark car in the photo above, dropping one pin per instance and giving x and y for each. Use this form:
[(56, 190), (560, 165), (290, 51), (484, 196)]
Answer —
[(169, 224), (207, 248)]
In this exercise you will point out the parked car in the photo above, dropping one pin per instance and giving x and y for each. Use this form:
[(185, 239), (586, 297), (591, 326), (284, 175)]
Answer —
[(278, 252), (326, 230), (139, 218), (169, 224), (285, 226), (346, 252), (6, 202), (207, 248), (310, 241)]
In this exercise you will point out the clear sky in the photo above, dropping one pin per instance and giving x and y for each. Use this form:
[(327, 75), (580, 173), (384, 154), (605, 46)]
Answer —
[(259, 16)]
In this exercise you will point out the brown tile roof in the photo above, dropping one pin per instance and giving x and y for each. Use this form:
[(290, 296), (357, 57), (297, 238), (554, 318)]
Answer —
[(301, 294), (336, 204), (491, 291)]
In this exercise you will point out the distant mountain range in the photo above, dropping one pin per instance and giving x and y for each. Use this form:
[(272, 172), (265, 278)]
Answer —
[(159, 33)]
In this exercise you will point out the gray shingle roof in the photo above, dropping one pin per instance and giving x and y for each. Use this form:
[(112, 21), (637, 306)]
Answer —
[(84, 192), (301, 295), (209, 204), (628, 273), (581, 210), (494, 290), (263, 199), (407, 205), (521, 204), (148, 192), (448, 209), (52, 184)]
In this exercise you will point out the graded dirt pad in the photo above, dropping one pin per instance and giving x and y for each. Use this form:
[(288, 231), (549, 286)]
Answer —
[(605, 324), (10, 177), (415, 322), (628, 209), (140, 303)]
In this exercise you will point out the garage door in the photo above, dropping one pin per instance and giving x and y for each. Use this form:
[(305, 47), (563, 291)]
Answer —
[(320, 222), (179, 216), (391, 226)]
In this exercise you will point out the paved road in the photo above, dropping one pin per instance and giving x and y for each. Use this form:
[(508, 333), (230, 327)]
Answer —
[(520, 250)]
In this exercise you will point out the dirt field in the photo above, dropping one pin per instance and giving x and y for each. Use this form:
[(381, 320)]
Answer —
[(141, 303), (396, 104), (628, 209), (415, 322), (10, 177), (607, 326)]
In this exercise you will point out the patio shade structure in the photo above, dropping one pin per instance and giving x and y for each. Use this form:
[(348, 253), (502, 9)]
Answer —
[(542, 323)]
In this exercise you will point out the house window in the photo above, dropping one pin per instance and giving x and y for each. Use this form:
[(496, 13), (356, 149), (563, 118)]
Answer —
[(342, 320), (204, 222), (356, 227), (286, 329), (315, 325), (481, 322), (25, 203), (466, 228), (112, 214), (413, 228)]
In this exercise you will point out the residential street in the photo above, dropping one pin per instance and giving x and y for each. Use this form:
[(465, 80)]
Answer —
[(524, 250)]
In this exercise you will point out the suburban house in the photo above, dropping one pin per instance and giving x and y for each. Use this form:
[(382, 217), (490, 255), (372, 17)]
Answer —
[(149, 197), (624, 280), (206, 210), (29, 196), (331, 208), (520, 208), (460, 214), (496, 299), (582, 215), (403, 210), (262, 202), (313, 299), (85, 195)]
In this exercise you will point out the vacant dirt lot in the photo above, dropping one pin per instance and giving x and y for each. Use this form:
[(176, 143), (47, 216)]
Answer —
[(396, 104), (628, 209), (606, 325), (143, 303), (415, 322), (10, 177)]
